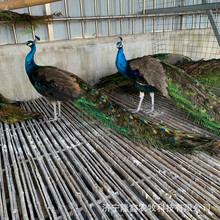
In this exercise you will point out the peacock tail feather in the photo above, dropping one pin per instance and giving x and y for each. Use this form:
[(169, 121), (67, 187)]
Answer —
[(137, 129), (171, 58), (192, 96), (206, 72), (11, 113), (2, 98), (113, 80)]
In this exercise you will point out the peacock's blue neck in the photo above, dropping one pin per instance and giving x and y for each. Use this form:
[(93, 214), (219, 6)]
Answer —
[(29, 61), (122, 63)]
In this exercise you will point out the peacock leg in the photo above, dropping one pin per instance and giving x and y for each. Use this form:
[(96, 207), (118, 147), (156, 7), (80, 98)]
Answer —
[(59, 109), (152, 103), (54, 111), (141, 96)]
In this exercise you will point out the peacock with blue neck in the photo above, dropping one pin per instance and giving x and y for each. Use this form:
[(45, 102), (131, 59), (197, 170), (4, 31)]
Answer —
[(55, 84), (149, 75)]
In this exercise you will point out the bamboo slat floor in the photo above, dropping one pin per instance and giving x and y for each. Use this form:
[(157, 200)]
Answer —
[(75, 168)]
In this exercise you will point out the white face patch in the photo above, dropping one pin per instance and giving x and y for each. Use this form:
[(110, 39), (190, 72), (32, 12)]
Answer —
[(119, 45), (30, 44)]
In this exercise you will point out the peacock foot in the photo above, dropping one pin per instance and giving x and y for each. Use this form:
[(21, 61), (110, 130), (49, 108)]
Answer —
[(140, 109), (52, 119), (55, 118), (135, 110), (148, 111)]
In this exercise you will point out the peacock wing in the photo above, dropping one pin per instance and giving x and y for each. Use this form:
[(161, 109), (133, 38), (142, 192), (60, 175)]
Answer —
[(55, 83), (153, 72), (73, 76)]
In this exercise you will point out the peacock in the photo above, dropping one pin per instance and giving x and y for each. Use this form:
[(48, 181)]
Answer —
[(56, 84), (151, 75)]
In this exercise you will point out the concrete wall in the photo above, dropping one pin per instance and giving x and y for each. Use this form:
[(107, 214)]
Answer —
[(89, 59)]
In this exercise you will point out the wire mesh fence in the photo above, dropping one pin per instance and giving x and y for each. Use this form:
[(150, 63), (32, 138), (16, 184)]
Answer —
[(187, 33)]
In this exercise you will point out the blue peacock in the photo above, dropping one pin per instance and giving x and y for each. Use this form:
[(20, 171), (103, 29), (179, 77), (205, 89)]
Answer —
[(53, 83), (60, 85), (149, 75)]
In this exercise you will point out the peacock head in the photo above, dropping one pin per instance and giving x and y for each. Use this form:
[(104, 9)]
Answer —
[(30, 43), (119, 44)]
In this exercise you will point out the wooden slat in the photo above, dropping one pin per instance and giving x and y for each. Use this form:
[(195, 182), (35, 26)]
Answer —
[(74, 167)]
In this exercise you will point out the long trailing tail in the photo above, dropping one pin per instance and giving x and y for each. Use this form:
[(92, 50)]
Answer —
[(193, 97), (140, 130), (172, 58), (205, 71), (11, 113)]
